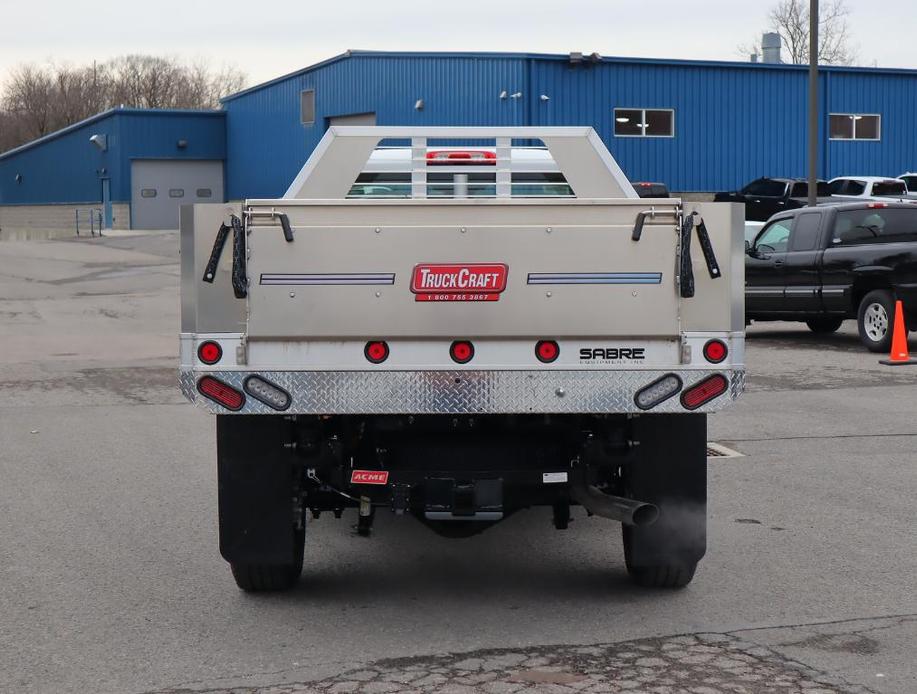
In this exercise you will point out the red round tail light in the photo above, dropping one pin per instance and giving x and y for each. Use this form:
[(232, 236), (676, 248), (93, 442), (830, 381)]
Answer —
[(715, 351), (546, 351), (209, 352), (461, 351), (376, 352)]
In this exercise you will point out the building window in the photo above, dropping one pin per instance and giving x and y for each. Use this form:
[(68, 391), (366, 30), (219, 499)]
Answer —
[(176, 192), (855, 126), (148, 193), (644, 122), (307, 106)]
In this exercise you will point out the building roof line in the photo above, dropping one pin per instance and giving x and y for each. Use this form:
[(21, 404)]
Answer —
[(290, 75), (565, 57), (118, 111)]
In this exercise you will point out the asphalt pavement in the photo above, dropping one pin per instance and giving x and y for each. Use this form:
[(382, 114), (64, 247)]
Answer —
[(111, 580)]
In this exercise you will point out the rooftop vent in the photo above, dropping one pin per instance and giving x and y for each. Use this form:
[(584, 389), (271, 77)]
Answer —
[(770, 48)]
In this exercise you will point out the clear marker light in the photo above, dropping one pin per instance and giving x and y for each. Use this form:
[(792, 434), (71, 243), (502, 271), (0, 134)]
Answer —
[(273, 396), (657, 392)]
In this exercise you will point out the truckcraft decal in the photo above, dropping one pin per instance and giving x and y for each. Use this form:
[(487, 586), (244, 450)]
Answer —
[(595, 278), (459, 281), (328, 279)]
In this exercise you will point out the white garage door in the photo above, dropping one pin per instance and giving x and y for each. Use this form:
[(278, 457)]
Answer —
[(160, 187)]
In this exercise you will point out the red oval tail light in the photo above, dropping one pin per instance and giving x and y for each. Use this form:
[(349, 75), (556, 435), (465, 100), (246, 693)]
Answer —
[(221, 393), (704, 392)]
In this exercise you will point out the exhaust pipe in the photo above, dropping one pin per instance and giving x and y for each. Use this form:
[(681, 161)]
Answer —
[(627, 511)]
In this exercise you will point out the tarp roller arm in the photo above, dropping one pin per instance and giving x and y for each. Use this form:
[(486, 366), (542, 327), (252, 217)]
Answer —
[(686, 269), (239, 276)]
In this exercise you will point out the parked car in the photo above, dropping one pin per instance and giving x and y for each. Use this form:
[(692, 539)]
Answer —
[(765, 197), (651, 190), (867, 188), (823, 265), (910, 180)]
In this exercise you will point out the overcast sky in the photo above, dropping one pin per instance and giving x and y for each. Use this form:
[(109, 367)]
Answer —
[(267, 38)]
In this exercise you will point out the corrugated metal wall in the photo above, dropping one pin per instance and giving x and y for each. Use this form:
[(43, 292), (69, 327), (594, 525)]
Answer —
[(733, 121), (894, 97), (155, 136), (64, 169), (731, 125), (67, 168)]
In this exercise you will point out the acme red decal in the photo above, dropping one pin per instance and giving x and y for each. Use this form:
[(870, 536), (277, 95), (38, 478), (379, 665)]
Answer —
[(369, 477), (459, 281)]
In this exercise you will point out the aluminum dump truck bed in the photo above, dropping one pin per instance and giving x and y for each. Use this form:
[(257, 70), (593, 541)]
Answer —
[(320, 275)]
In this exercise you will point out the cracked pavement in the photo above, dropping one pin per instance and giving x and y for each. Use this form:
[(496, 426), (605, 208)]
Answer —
[(696, 664), (110, 578)]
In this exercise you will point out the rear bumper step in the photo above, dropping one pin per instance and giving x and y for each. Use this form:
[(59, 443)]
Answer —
[(460, 391)]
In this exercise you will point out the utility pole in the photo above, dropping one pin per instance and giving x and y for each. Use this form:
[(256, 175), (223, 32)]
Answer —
[(813, 101)]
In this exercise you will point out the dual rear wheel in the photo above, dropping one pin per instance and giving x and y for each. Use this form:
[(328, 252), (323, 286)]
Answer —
[(262, 578)]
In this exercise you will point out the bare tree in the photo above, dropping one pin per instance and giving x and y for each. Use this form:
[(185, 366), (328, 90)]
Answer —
[(790, 19), (29, 96), (38, 99)]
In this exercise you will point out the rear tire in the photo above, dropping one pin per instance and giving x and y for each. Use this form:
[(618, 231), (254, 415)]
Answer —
[(670, 471), (823, 326), (875, 318), (264, 578), (668, 575)]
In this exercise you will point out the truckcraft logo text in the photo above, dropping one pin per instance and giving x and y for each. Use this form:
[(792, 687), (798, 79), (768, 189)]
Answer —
[(459, 282)]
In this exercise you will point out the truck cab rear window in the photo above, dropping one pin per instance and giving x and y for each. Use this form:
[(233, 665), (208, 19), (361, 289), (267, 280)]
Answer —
[(894, 188), (847, 187), (461, 185), (765, 188), (875, 225)]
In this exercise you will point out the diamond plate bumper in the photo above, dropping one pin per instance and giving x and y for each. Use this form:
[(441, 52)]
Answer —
[(460, 392)]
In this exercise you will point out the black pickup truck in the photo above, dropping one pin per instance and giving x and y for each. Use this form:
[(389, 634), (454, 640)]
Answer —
[(824, 264), (764, 197)]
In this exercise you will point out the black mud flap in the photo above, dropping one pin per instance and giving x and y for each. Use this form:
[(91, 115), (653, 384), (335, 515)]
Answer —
[(256, 482), (671, 472)]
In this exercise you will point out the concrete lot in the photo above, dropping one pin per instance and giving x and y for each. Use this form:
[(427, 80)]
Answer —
[(110, 578)]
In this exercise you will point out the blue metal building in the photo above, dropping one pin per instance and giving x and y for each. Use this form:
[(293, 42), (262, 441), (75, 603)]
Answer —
[(95, 163), (698, 126), (731, 122)]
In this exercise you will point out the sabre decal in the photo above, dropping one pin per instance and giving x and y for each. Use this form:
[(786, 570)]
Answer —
[(612, 353)]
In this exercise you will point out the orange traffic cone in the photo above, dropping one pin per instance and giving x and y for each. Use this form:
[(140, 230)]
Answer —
[(899, 354)]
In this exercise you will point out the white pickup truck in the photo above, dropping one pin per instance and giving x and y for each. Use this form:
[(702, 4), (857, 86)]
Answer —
[(876, 188), (459, 324)]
